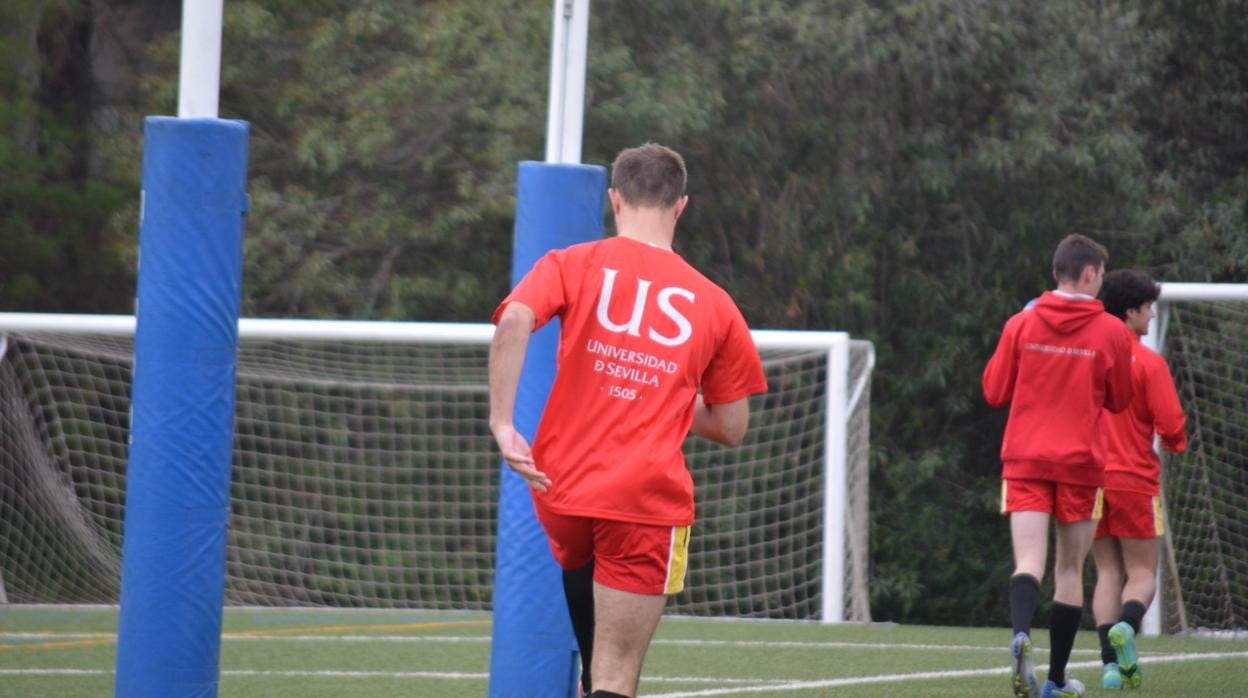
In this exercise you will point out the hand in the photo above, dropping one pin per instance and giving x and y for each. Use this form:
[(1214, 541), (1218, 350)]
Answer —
[(519, 456)]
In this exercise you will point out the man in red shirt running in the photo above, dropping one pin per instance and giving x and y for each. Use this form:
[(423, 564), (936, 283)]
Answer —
[(1057, 364), (1127, 540), (641, 333)]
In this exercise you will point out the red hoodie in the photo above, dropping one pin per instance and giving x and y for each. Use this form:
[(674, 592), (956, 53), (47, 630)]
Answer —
[(1057, 364)]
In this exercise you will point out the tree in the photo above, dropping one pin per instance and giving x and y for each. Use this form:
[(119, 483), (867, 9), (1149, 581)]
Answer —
[(1195, 112), (384, 141), (55, 252)]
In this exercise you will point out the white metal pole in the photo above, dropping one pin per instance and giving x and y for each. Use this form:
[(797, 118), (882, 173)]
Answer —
[(569, 44), (380, 331), (1155, 340), (199, 74), (1202, 292), (835, 490)]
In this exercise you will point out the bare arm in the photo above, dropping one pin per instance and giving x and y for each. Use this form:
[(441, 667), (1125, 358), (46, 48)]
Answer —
[(511, 341), (724, 423)]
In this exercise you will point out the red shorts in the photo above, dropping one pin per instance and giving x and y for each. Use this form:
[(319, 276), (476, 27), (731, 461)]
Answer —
[(632, 557), (1067, 503), (1130, 515)]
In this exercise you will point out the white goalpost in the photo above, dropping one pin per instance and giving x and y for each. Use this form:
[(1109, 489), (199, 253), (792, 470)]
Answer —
[(364, 474), (1202, 330)]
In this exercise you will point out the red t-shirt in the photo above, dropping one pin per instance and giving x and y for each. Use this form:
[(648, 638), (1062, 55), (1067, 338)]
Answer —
[(1126, 439), (1058, 364), (641, 331)]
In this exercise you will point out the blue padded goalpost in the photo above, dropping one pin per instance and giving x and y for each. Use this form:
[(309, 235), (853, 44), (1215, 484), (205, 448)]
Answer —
[(533, 651), (558, 203), (182, 403), (189, 290), (182, 419)]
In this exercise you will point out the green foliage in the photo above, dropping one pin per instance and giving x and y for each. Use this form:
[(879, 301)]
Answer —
[(1195, 111), (55, 253), (384, 142)]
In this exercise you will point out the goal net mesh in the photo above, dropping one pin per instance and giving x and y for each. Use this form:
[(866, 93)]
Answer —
[(364, 475), (1205, 559)]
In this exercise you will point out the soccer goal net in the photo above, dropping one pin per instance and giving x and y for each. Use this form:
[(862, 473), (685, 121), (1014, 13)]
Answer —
[(1202, 329), (364, 473)]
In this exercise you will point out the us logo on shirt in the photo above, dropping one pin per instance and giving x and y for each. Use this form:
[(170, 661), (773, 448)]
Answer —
[(663, 299)]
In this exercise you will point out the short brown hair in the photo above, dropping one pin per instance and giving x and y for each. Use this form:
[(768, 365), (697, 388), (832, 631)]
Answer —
[(1074, 253), (649, 175)]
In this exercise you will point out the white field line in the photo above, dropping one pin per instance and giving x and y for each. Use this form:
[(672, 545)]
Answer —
[(795, 644), (752, 644), (478, 615), (55, 672), (58, 636), (336, 674), (301, 610), (327, 673), (742, 687), (901, 678)]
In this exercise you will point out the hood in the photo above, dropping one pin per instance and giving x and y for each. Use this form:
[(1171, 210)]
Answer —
[(1067, 315)]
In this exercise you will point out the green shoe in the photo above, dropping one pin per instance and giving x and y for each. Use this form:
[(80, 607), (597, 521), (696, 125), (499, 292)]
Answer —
[(1122, 639), (1111, 678)]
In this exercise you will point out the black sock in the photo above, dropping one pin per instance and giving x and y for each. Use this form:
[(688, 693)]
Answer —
[(1107, 650), (606, 694), (1064, 622), (1133, 613), (1024, 591), (578, 590)]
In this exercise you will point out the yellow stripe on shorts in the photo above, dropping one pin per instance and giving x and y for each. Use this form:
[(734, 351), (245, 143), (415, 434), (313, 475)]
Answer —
[(677, 560), (1099, 507), (1159, 521)]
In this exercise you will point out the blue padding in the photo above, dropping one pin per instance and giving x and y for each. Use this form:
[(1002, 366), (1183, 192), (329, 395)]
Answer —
[(182, 407), (533, 653)]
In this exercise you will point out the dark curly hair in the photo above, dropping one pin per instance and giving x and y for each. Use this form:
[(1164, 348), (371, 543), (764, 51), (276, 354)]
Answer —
[(1124, 289)]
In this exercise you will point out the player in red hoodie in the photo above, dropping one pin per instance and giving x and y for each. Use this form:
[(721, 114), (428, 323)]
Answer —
[(1057, 364), (1127, 540)]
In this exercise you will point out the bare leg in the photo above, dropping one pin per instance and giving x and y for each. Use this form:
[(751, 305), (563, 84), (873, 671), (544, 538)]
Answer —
[(1073, 541), (1029, 534), (1139, 557), (1110, 576), (624, 625), (1029, 531)]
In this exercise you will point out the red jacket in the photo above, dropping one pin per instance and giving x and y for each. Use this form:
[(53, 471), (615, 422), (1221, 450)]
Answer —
[(1126, 439), (1058, 364)]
